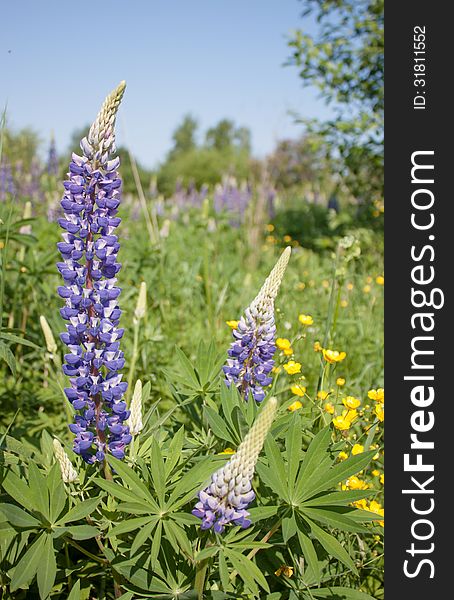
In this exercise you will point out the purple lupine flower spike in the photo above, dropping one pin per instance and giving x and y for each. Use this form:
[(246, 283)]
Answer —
[(251, 353), (226, 499), (89, 269)]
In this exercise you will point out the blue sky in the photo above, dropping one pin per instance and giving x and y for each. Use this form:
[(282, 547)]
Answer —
[(212, 58)]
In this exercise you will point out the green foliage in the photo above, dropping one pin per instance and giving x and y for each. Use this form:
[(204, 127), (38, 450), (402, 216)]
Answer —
[(345, 62), (127, 531)]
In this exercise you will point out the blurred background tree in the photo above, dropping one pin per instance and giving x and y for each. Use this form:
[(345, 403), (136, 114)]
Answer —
[(344, 60)]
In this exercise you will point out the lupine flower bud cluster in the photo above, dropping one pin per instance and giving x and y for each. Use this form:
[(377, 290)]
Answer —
[(251, 353), (230, 492), (89, 269), (135, 418)]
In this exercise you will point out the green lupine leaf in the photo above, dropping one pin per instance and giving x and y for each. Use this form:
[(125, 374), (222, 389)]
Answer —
[(262, 512), (80, 511), (11, 337), (26, 568), (289, 527), (38, 489), (340, 593), (332, 546), (82, 532), (333, 519), (19, 490), (277, 466), (240, 561), (57, 492), (143, 535), (308, 550), (338, 498), (75, 591), (156, 545), (158, 473), (293, 446), (18, 517), (129, 525), (130, 478), (47, 569), (187, 368), (223, 571), (174, 452), (338, 473), (218, 425), (8, 357), (206, 553), (122, 493)]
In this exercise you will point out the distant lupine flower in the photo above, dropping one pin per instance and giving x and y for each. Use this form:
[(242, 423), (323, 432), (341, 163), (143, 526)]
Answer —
[(52, 159), (68, 472), (27, 229), (135, 418), (7, 185), (230, 492), (89, 268), (251, 352)]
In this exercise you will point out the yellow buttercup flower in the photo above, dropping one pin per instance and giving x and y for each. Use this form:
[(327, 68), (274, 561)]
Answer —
[(292, 367), (300, 286), (317, 347), (354, 483), (298, 390), (284, 570), (333, 356), (283, 343), (382, 479), (344, 303), (342, 455), (340, 381), (366, 289), (232, 324), (376, 508), (322, 395), (270, 227), (287, 238), (368, 279), (380, 280), (350, 286), (341, 423), (351, 402), (357, 449), (361, 504), (329, 408), (380, 412), (378, 395), (228, 451), (305, 319), (288, 351), (295, 406)]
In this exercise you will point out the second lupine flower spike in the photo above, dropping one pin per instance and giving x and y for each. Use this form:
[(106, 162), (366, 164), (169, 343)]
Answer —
[(251, 353), (89, 268), (227, 497)]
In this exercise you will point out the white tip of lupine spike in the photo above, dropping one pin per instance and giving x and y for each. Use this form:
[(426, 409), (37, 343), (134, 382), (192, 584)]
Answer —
[(68, 472), (264, 301), (48, 335), (141, 307), (135, 418), (100, 141)]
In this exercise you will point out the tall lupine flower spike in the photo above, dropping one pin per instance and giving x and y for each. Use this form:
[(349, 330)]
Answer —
[(251, 352), (89, 268), (230, 492), (68, 472)]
